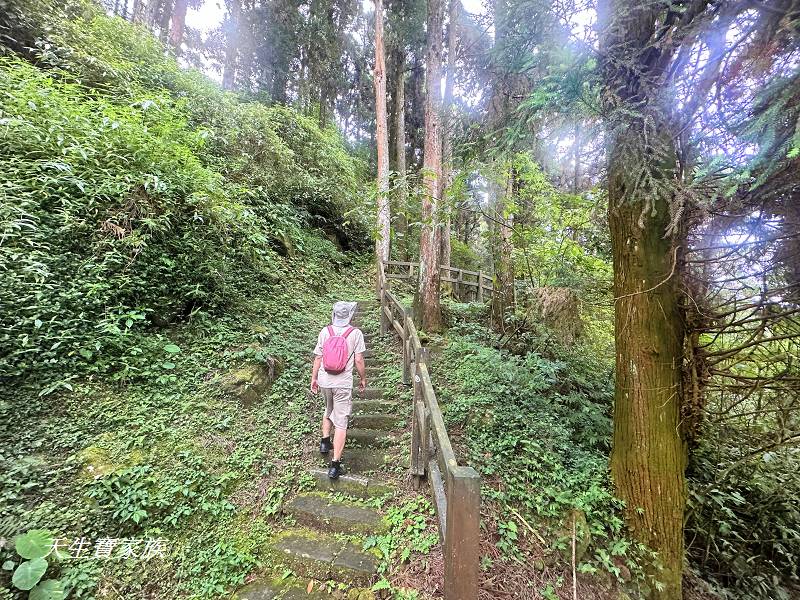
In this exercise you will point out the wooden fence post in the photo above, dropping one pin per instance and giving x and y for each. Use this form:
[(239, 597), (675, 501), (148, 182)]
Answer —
[(424, 357), (416, 432), (384, 304), (462, 535), (406, 347)]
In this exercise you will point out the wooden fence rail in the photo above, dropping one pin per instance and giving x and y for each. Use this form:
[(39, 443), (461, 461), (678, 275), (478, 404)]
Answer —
[(455, 489), (467, 286)]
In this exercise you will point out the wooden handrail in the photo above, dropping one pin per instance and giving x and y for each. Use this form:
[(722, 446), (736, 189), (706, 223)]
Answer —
[(455, 488), (464, 290)]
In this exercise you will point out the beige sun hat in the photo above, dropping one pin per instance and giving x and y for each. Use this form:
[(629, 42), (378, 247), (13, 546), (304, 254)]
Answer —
[(343, 313)]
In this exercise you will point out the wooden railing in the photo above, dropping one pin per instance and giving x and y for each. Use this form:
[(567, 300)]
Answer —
[(455, 489), (467, 286)]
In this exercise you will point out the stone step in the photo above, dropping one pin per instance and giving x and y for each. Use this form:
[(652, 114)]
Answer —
[(369, 438), (377, 420), (323, 557), (351, 485), (321, 513), (361, 407), (369, 393), (274, 590), (357, 461)]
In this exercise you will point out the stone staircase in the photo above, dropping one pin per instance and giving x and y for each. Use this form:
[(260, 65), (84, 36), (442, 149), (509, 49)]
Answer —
[(331, 524)]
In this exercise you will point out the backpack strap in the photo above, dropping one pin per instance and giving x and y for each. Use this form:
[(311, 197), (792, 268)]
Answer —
[(330, 331), (347, 332)]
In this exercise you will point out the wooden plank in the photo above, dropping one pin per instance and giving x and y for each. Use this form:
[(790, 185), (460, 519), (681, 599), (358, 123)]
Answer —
[(438, 428), (415, 431), (395, 302), (398, 327), (400, 263), (462, 539), (439, 498)]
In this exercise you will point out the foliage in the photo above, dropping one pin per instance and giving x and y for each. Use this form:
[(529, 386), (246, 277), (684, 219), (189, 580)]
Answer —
[(561, 239), (464, 257), (137, 193), (537, 427), (176, 458), (34, 546), (411, 531), (742, 521)]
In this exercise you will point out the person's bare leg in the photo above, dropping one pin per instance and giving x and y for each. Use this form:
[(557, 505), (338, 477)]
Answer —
[(326, 427), (339, 438)]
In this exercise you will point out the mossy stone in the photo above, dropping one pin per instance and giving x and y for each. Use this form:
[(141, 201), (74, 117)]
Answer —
[(250, 382), (96, 460)]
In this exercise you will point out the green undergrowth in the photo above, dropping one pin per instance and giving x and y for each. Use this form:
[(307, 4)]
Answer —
[(536, 424), (135, 194), (170, 454)]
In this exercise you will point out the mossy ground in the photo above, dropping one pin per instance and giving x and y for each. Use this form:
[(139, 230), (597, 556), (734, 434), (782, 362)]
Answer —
[(174, 456)]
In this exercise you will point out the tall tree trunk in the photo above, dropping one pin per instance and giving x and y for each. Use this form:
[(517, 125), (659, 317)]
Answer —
[(502, 190), (138, 11), (178, 24), (430, 238), (401, 227), (231, 46), (648, 458), (502, 246), (384, 217), (163, 27), (448, 124)]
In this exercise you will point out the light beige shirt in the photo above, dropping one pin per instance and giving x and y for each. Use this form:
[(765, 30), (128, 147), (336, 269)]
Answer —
[(355, 342)]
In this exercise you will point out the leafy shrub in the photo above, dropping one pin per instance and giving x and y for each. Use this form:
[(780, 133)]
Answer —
[(538, 427), (742, 518), (107, 217), (137, 193), (464, 257)]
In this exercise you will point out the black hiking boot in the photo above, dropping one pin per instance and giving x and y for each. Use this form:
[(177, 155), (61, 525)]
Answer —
[(325, 445), (335, 469)]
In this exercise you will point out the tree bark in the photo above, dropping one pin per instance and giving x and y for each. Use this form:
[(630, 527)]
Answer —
[(648, 458), (231, 46), (382, 238), (178, 24), (163, 27), (448, 123), (430, 237), (138, 11), (502, 246), (401, 228)]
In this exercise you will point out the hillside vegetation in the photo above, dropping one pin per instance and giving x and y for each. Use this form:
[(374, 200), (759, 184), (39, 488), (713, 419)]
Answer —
[(138, 193)]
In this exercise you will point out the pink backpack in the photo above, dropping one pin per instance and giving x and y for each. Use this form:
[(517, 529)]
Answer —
[(335, 351)]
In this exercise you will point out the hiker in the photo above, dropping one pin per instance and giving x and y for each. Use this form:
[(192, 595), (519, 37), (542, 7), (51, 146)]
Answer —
[(339, 347)]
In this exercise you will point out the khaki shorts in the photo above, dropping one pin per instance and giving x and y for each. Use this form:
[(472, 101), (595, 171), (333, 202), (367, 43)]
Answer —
[(338, 405)]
